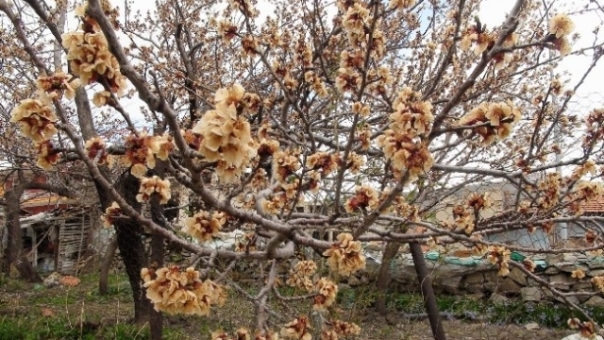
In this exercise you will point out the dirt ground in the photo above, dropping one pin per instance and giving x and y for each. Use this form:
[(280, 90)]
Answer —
[(82, 305)]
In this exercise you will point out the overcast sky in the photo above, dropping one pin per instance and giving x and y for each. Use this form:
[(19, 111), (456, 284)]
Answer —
[(492, 12)]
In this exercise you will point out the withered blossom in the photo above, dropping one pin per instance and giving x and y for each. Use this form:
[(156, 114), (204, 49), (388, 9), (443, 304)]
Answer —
[(344, 256)]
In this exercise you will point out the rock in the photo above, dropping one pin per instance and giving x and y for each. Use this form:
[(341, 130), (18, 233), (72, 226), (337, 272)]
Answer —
[(450, 285), (595, 263), (569, 257), (578, 336), (567, 267), (596, 272), (572, 299), (498, 299), (582, 286), (518, 276), (531, 326), (561, 281), (473, 283), (531, 294), (595, 301), (551, 270), (52, 280), (508, 286)]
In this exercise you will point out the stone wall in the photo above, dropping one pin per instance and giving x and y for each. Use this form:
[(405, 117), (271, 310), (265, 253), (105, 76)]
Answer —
[(475, 275)]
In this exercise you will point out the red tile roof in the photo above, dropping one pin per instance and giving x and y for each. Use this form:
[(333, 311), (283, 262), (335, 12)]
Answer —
[(594, 206)]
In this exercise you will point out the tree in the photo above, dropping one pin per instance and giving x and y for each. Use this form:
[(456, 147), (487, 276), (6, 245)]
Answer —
[(377, 112)]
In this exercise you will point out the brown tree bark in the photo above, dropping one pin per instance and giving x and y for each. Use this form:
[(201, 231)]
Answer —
[(156, 320), (106, 266), (427, 291), (383, 278), (129, 235), (13, 254)]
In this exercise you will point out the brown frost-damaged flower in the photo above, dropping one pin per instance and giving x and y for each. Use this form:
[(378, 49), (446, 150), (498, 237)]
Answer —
[(297, 329), (140, 153), (561, 25), (56, 85), (154, 185), (346, 328), (174, 291), (226, 135), (491, 121), (47, 155), (36, 119), (299, 276), (112, 212), (204, 225), (326, 293), (95, 147), (365, 197), (500, 256), (344, 256)]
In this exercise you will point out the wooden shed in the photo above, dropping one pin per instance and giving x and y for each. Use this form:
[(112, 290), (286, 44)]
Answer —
[(59, 240)]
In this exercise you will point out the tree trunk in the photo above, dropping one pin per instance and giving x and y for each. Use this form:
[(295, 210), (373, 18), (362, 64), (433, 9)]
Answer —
[(106, 266), (129, 235), (156, 319), (428, 293), (383, 278), (13, 254)]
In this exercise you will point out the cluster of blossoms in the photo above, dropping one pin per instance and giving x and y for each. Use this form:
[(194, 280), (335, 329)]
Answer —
[(226, 135), (403, 209), (401, 4), (299, 329), (300, 275), (595, 127), (549, 191), (578, 274), (56, 86), (37, 122), (284, 165), (344, 256), (362, 30), (402, 142), (491, 121), (365, 198), (243, 334), (247, 243), (586, 328), (89, 56), (464, 219), (204, 225), (598, 281), (326, 293), (47, 155), (174, 291), (316, 83), (96, 150), (500, 256), (142, 150), (478, 36), (588, 167), (560, 26), (154, 185), (113, 212)]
